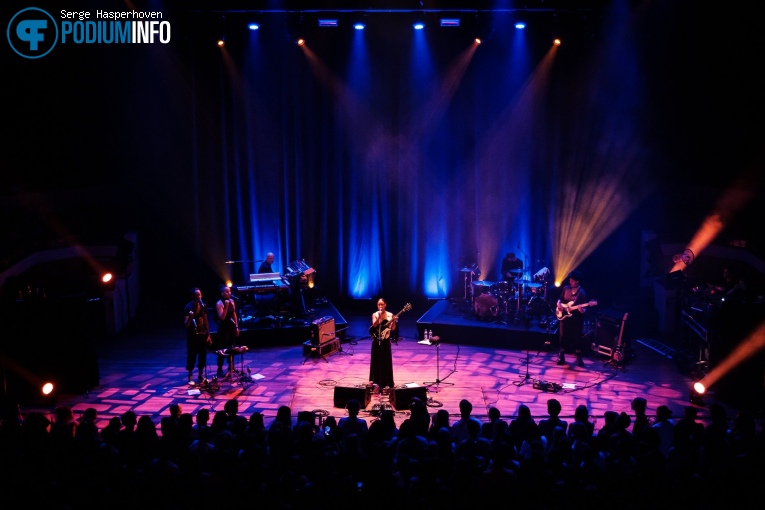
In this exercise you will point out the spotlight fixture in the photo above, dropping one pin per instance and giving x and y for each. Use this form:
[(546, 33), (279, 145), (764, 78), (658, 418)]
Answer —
[(253, 26), (696, 394), (48, 388), (107, 277), (327, 22), (520, 25), (300, 41), (478, 40), (359, 26), (221, 42), (556, 41), (418, 25), (450, 22)]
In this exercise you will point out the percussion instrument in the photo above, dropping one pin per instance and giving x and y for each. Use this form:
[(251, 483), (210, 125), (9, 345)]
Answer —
[(486, 306), (481, 287), (534, 288), (502, 289)]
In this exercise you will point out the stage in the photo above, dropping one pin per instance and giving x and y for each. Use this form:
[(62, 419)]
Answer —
[(456, 322)]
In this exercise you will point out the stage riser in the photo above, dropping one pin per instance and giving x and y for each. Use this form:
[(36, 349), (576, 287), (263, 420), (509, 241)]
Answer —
[(490, 337), (453, 326)]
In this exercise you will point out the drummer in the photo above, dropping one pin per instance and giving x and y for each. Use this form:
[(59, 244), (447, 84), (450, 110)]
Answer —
[(512, 267)]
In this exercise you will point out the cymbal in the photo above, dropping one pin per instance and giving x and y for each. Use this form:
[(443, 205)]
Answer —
[(533, 285), (515, 271)]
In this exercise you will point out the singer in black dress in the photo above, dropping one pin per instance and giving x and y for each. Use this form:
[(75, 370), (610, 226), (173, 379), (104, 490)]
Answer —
[(381, 361), (197, 334)]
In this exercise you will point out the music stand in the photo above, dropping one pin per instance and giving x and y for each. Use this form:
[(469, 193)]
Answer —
[(437, 342)]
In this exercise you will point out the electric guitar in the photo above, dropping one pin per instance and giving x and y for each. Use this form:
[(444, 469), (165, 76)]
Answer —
[(619, 353), (564, 310), (381, 331)]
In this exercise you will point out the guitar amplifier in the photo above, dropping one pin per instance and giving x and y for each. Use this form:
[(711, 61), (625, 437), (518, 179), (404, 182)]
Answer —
[(323, 330)]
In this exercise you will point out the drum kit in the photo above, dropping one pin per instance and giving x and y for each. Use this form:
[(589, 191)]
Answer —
[(509, 301)]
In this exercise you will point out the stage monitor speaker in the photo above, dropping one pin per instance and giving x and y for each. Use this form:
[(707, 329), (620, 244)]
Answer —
[(401, 398), (345, 393), (323, 330)]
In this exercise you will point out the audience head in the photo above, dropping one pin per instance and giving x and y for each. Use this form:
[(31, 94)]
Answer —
[(353, 406), (623, 421), (129, 418), (663, 413), (638, 405), (553, 407), (231, 407), (465, 408), (581, 413)]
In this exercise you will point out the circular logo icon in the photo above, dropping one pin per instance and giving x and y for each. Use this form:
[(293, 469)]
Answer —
[(32, 33)]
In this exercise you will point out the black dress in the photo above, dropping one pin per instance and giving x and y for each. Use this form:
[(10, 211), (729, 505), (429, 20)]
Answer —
[(381, 361)]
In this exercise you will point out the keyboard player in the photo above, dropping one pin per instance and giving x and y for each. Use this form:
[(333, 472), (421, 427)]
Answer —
[(265, 267)]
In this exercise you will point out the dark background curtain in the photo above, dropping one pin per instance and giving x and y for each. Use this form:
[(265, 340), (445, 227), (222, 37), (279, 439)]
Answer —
[(387, 159)]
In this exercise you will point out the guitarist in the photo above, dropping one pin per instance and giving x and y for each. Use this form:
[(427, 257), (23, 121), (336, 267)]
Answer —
[(570, 330), (381, 361)]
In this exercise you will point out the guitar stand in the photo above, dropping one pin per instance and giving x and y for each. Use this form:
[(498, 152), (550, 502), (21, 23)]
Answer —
[(429, 384)]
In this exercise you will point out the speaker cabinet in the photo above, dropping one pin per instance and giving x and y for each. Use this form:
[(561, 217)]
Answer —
[(323, 330), (609, 337), (345, 393), (401, 398)]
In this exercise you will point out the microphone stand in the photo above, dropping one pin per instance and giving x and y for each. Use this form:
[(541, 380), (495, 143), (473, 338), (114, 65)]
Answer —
[(436, 340), (518, 313)]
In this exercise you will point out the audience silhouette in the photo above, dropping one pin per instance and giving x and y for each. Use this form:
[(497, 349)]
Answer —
[(345, 463)]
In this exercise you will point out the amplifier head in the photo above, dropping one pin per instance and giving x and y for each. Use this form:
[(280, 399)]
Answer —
[(323, 330)]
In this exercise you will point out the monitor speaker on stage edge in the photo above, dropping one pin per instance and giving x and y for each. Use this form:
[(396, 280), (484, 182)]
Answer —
[(345, 393)]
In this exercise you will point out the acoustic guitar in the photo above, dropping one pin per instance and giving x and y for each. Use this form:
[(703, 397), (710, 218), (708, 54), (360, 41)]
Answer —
[(382, 331)]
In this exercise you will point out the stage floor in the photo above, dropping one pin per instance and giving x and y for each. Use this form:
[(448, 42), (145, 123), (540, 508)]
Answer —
[(143, 371)]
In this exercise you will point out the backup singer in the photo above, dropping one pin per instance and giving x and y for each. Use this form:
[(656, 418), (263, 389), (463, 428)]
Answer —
[(228, 326), (381, 361), (197, 335)]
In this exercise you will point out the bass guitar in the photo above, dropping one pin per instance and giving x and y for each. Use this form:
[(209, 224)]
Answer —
[(564, 310), (381, 331)]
